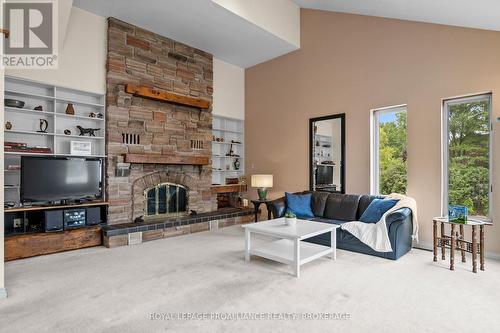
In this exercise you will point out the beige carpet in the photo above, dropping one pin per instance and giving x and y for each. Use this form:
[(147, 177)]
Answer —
[(102, 290)]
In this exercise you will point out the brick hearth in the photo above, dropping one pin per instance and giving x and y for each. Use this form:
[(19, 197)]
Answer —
[(142, 58), (117, 235)]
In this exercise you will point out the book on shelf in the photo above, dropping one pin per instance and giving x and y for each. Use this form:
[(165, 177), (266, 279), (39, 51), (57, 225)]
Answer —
[(21, 147), (15, 144), (27, 150)]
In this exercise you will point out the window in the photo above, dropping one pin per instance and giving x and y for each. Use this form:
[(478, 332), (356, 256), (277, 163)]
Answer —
[(467, 154), (388, 150)]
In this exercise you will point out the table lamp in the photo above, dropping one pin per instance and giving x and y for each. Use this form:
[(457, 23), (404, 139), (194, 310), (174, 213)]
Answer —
[(262, 182)]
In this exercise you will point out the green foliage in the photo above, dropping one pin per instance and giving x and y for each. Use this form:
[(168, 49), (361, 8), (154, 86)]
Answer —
[(392, 155), (468, 162), (289, 214)]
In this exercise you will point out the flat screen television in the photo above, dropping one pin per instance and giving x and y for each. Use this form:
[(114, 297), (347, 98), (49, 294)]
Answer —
[(324, 175), (45, 179)]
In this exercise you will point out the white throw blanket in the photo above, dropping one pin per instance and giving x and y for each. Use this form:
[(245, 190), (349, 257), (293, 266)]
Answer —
[(375, 235)]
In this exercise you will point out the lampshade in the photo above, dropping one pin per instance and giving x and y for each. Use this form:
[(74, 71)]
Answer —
[(262, 180)]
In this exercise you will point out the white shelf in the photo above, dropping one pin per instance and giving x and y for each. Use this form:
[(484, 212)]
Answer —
[(22, 93), (28, 111), (53, 99), (28, 132), (64, 115), (50, 113), (92, 156), (283, 251), (229, 129), (228, 143), (80, 136), (65, 100), (27, 154), (49, 154)]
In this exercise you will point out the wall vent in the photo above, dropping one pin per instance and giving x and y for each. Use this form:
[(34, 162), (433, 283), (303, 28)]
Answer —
[(131, 139), (196, 144), (134, 238)]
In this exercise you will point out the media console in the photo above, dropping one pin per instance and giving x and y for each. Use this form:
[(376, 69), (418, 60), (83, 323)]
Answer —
[(36, 219), (32, 231)]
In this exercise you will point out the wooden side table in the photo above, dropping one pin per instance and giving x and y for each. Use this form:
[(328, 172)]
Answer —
[(256, 205), (456, 241)]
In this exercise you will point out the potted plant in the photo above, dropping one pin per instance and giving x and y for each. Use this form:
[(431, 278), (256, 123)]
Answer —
[(290, 218)]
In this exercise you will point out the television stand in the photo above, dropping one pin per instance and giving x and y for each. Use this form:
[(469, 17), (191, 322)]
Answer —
[(25, 236)]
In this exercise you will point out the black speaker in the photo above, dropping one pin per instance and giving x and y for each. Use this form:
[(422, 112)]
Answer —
[(93, 215), (53, 220)]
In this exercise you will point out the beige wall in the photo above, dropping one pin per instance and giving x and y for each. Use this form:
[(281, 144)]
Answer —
[(229, 90), (82, 58), (351, 64)]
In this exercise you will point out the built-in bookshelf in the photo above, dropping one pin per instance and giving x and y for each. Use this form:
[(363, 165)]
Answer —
[(24, 124), (227, 135)]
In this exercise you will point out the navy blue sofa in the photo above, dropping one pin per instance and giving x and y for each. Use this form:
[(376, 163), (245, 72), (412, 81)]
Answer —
[(340, 208)]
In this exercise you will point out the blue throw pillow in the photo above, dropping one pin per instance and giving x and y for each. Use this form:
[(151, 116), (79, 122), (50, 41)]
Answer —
[(376, 209), (299, 204)]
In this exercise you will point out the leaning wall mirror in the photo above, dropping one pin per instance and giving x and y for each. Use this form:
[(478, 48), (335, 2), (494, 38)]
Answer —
[(327, 153)]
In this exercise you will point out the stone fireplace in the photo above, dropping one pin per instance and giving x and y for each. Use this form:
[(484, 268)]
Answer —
[(150, 128)]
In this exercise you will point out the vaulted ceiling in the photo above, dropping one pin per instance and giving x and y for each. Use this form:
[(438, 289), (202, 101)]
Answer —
[(203, 24), (481, 14)]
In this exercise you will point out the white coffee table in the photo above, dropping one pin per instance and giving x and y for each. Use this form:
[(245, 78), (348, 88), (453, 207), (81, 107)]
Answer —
[(289, 249)]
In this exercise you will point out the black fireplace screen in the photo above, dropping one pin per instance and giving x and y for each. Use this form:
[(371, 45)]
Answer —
[(165, 199)]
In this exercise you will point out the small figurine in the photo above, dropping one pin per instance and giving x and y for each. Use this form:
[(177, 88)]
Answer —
[(8, 125), (67, 132), (70, 109), (100, 115), (89, 131), (236, 164), (92, 115), (38, 108), (44, 124)]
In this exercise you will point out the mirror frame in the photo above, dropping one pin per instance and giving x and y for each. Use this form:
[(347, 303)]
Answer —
[(340, 116)]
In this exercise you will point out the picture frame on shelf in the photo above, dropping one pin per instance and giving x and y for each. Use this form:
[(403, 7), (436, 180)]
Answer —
[(81, 148)]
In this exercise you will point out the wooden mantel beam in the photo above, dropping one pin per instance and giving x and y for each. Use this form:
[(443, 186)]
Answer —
[(165, 96), (166, 159)]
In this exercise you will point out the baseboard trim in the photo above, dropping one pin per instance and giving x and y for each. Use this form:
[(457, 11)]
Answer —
[(3, 293)]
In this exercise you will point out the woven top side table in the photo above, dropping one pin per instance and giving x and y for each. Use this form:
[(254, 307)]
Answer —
[(456, 240)]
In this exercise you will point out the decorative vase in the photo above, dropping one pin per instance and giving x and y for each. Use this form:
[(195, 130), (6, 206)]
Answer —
[(236, 164), (8, 125), (290, 221), (70, 109)]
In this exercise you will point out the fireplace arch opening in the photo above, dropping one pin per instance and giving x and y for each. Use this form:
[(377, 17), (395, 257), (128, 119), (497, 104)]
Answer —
[(165, 200)]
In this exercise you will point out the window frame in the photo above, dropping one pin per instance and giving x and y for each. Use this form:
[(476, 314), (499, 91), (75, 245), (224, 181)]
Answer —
[(374, 143), (445, 147)]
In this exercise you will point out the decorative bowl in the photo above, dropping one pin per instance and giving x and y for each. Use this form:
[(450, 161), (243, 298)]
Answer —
[(13, 103)]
